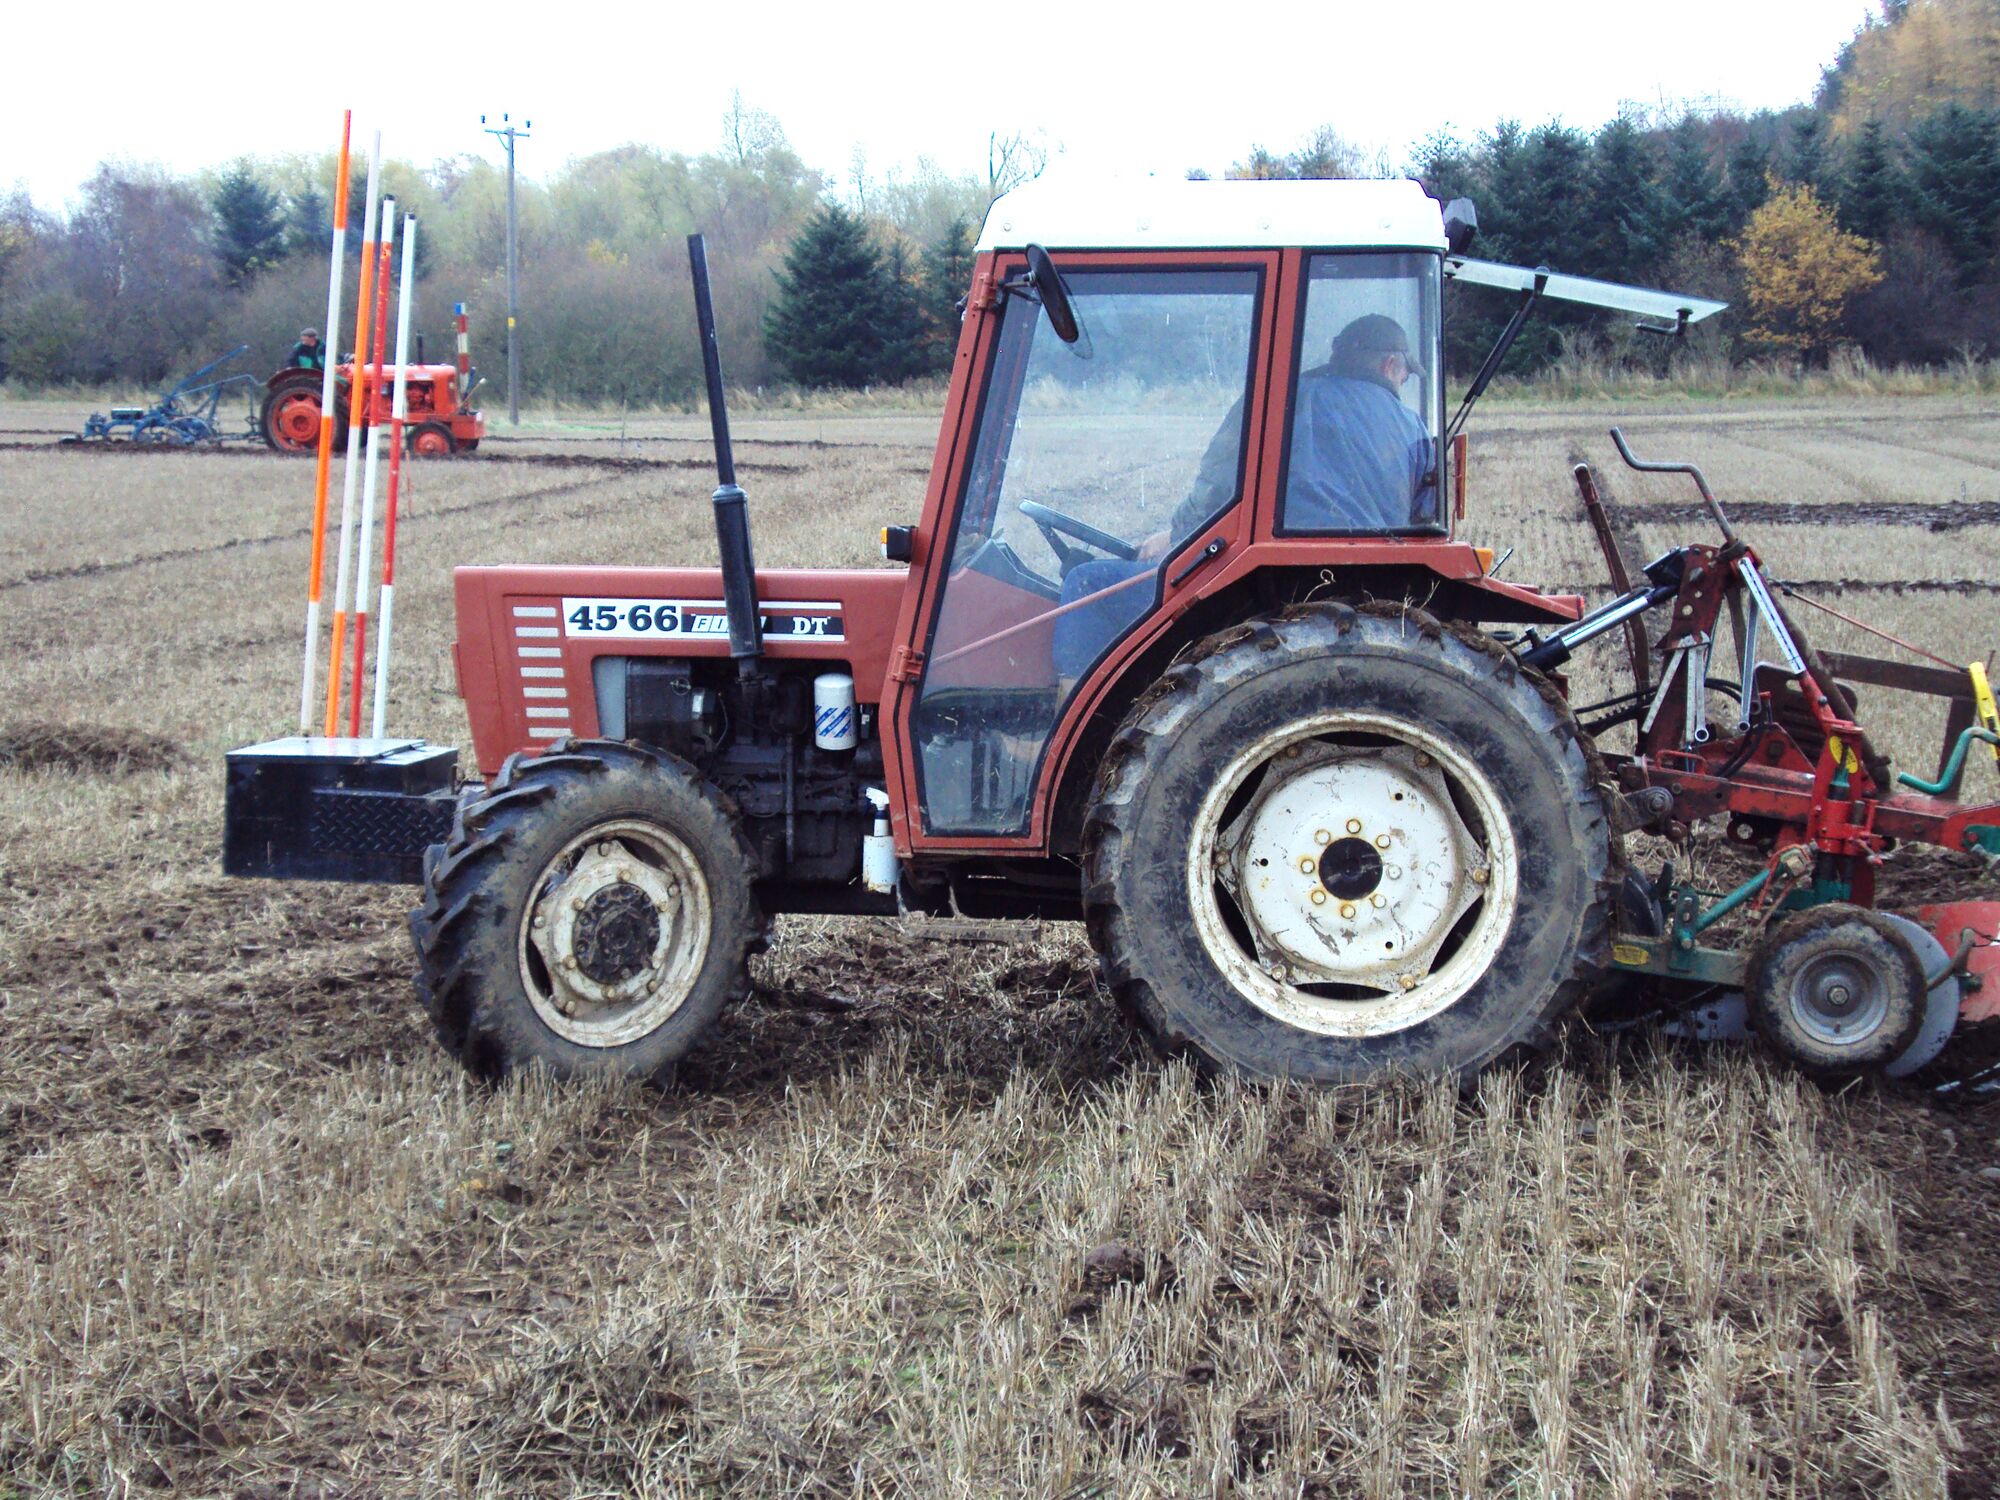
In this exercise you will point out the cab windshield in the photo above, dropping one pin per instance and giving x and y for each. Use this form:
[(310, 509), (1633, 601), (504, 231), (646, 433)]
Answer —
[(1361, 442)]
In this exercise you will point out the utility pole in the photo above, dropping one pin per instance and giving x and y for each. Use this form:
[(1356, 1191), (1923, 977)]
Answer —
[(507, 134)]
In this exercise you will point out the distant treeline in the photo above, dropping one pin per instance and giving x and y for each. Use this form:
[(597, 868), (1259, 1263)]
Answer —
[(1866, 218)]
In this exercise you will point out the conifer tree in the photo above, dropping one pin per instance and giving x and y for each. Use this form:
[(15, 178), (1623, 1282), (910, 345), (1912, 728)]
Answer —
[(1548, 220), (1873, 193), (308, 223), (825, 326), (1620, 234), (901, 323), (947, 268), (249, 230), (1954, 163), (1805, 151), (1691, 192), (1748, 182), (1445, 168)]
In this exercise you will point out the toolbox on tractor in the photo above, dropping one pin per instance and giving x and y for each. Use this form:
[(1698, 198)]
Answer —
[(1183, 644)]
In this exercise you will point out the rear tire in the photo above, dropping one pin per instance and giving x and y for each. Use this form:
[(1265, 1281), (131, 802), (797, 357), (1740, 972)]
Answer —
[(592, 909), (1450, 895)]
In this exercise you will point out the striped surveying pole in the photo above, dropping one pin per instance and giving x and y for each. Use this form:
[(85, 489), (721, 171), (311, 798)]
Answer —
[(399, 411), (464, 346), (365, 556), (357, 414), (329, 342)]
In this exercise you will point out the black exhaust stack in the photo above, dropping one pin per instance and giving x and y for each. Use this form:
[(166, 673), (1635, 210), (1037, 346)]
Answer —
[(732, 521)]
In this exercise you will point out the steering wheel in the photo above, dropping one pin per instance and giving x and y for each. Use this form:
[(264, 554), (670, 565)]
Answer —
[(1055, 525)]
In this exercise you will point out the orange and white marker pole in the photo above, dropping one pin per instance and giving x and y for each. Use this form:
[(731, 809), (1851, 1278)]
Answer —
[(329, 342), (465, 352), (399, 411), (365, 557), (357, 413)]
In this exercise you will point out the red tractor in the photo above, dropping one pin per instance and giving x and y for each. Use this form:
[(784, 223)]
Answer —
[(439, 425), (1181, 646)]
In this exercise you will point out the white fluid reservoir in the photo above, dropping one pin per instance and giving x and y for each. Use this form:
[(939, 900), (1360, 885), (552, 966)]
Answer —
[(833, 711), (880, 869)]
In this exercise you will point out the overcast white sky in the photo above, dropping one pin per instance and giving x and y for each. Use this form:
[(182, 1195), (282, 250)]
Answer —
[(1184, 87)]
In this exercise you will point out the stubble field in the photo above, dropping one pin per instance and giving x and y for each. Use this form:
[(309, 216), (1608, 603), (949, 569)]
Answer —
[(920, 1218)]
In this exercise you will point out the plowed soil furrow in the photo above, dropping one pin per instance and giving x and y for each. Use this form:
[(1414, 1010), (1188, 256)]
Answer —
[(429, 514), (1949, 515)]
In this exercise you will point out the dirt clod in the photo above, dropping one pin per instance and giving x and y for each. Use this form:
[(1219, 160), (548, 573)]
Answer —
[(85, 747), (1108, 1265)]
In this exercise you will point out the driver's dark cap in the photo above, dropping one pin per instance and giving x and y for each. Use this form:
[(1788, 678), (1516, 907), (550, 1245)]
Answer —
[(1373, 335), (308, 333)]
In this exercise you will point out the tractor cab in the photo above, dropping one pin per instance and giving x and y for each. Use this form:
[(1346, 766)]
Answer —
[(1160, 384)]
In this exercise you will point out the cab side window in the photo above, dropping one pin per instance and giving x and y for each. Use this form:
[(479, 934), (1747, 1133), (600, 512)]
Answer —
[(1361, 445)]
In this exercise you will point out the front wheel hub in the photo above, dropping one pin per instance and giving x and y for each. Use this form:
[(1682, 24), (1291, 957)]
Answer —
[(616, 935)]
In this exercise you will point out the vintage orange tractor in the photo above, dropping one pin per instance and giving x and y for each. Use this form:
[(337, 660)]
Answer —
[(440, 423), (1183, 646)]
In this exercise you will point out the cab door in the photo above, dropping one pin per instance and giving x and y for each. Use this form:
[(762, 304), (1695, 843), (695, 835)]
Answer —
[(1075, 472)]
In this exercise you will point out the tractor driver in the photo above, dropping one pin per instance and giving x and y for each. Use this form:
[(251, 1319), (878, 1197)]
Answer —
[(306, 353), (1360, 461)]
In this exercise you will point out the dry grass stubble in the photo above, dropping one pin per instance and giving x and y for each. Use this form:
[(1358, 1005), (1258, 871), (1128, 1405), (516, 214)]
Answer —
[(1627, 1275)]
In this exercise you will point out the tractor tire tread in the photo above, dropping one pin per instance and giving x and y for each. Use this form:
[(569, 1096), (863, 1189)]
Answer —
[(457, 905), (1211, 669)]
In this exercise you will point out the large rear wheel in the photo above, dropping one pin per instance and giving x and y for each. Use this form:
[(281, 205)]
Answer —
[(592, 909), (1334, 844), (289, 417)]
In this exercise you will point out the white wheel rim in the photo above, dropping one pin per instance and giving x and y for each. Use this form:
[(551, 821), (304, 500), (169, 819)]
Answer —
[(615, 933), (1370, 903)]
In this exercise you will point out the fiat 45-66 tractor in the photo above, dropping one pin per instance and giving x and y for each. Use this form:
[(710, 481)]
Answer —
[(1182, 645)]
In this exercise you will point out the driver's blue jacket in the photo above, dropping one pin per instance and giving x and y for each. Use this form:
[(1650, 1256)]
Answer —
[(1360, 460)]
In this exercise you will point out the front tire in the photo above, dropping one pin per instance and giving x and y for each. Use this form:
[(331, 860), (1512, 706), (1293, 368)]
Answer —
[(431, 440), (592, 909), (1332, 845)]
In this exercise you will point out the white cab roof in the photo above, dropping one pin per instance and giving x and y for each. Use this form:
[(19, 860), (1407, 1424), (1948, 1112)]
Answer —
[(1165, 214)]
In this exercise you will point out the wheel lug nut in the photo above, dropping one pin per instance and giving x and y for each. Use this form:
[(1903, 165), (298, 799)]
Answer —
[(1319, 898), (1423, 759), (1381, 841), (1354, 825), (1377, 901), (1321, 836), (1481, 875), (576, 903), (1307, 866), (1347, 909)]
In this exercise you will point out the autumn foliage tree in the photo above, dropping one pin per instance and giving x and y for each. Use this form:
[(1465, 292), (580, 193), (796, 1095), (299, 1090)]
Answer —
[(1800, 271)]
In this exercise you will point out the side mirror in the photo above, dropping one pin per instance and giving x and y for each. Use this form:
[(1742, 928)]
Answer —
[(1461, 223), (1055, 296)]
